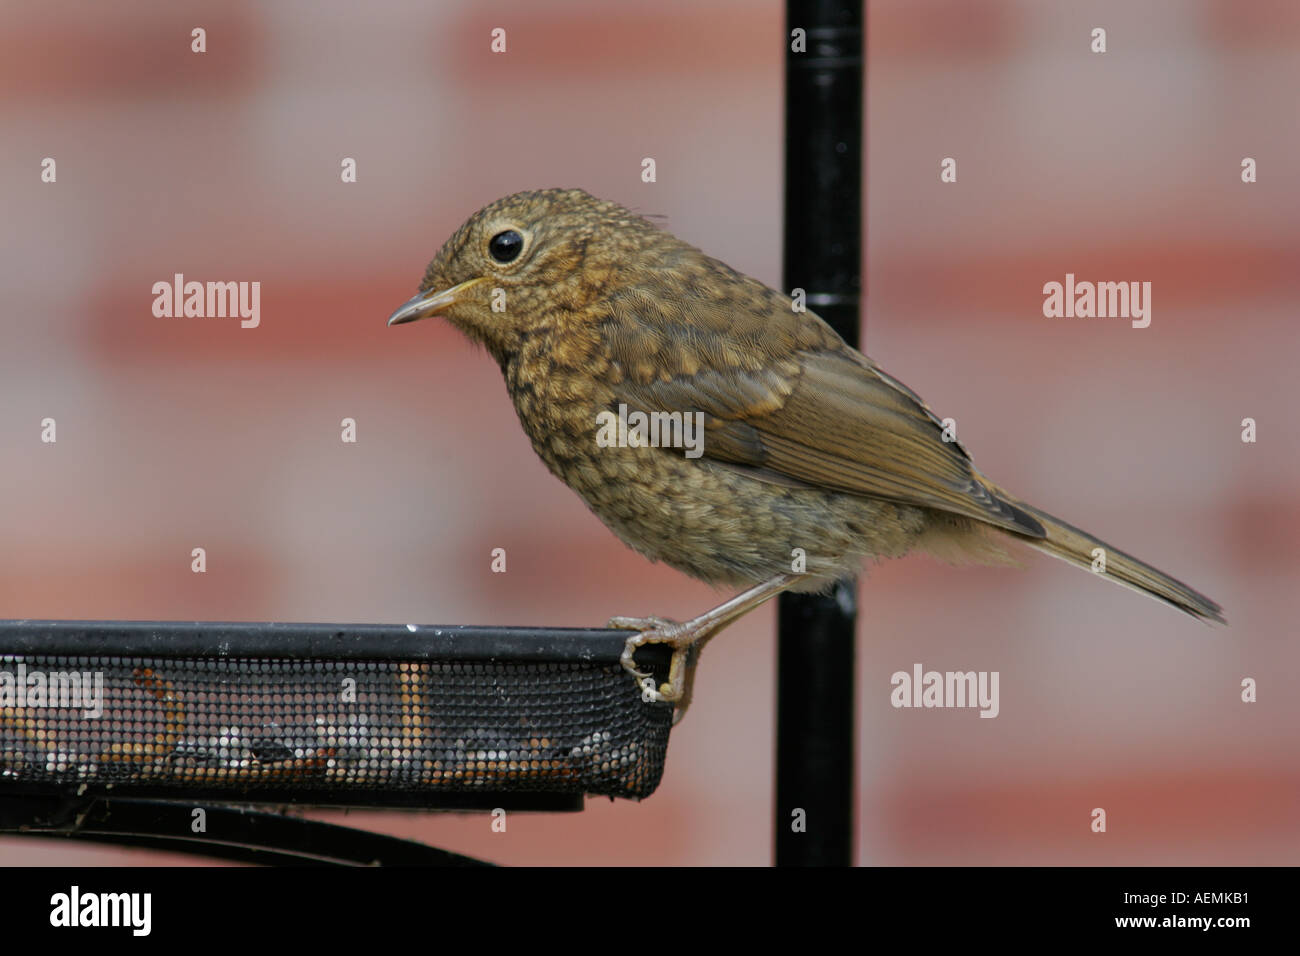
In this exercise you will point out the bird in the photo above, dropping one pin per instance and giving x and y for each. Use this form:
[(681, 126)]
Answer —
[(718, 427)]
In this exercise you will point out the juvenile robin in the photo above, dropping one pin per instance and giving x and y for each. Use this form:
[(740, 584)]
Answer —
[(715, 428)]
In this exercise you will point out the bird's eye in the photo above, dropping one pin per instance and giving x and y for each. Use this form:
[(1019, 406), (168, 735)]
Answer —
[(505, 246)]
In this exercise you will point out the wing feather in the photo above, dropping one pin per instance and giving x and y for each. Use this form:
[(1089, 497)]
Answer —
[(785, 398)]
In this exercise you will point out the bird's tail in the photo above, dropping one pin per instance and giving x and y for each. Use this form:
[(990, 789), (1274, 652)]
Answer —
[(1079, 548)]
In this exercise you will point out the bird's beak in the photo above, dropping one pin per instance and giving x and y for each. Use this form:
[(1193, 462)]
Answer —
[(431, 302)]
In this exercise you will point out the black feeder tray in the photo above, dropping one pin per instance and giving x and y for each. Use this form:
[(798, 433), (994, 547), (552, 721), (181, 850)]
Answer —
[(140, 716)]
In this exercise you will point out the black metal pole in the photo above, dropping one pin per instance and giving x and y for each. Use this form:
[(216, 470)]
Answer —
[(823, 246)]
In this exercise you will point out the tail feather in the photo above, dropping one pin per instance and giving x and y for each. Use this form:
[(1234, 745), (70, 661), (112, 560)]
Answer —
[(1076, 546)]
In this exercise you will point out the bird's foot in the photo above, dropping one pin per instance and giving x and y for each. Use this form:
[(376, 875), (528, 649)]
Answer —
[(686, 641), (683, 639)]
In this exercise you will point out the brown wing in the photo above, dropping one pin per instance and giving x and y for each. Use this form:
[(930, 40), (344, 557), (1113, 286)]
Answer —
[(785, 398)]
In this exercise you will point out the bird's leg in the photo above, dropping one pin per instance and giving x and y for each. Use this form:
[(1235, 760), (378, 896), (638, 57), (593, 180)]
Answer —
[(688, 638)]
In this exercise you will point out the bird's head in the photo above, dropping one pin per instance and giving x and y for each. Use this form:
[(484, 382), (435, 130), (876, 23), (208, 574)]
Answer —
[(527, 260)]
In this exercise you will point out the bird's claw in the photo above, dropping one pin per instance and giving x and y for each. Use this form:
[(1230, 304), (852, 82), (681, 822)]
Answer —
[(649, 630), (640, 623), (658, 630)]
